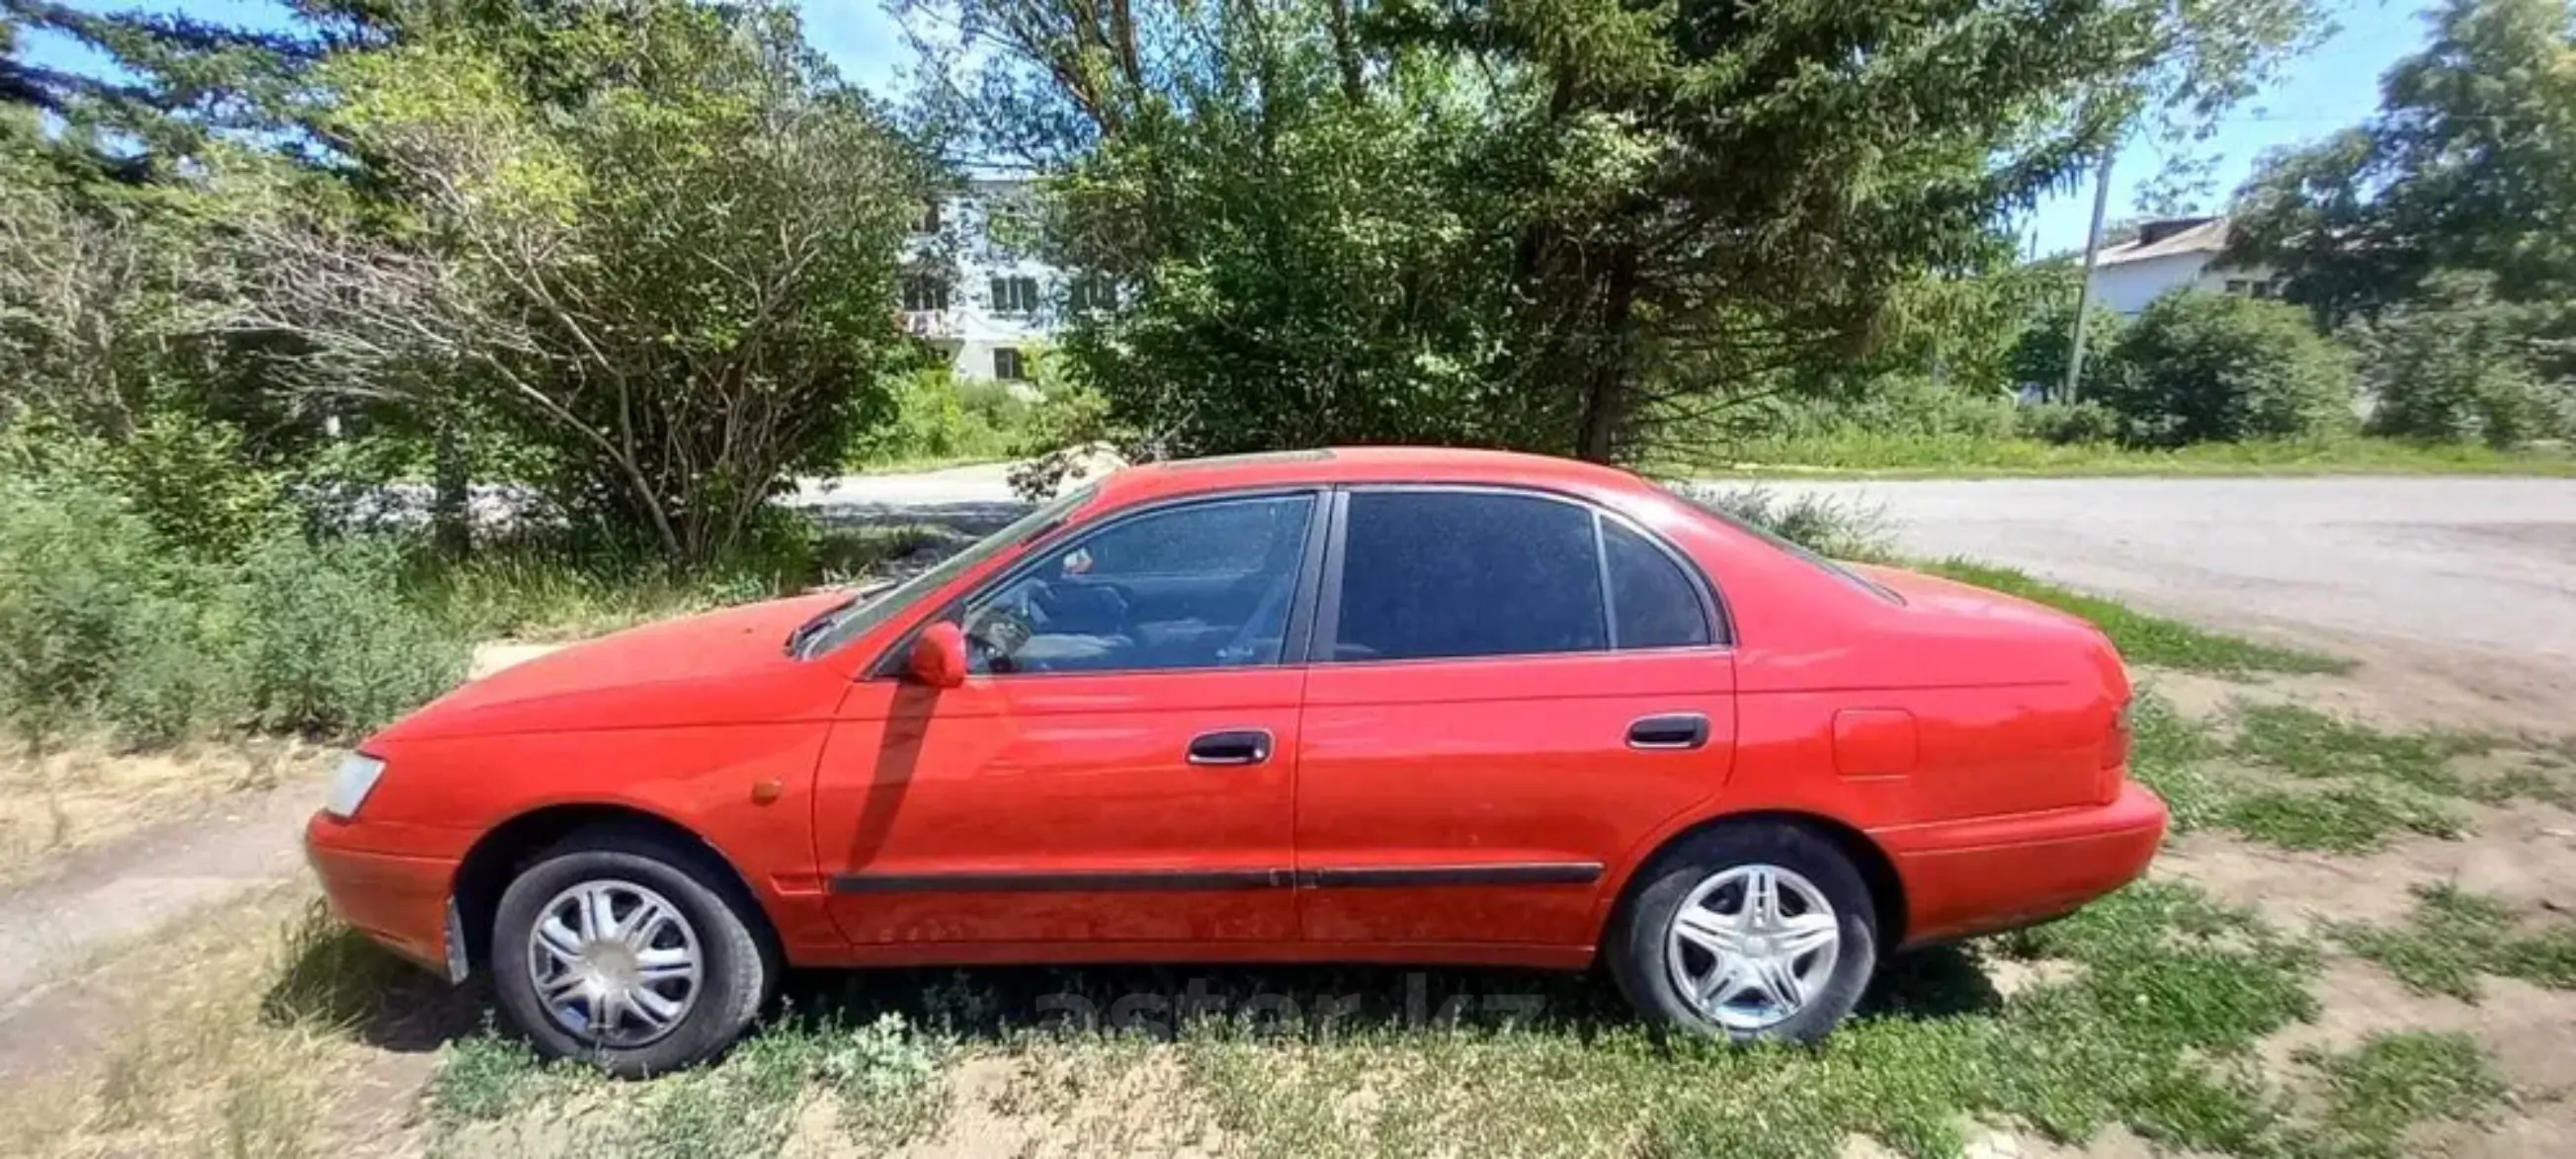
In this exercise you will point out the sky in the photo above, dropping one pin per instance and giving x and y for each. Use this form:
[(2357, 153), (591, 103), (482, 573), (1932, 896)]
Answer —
[(2333, 86)]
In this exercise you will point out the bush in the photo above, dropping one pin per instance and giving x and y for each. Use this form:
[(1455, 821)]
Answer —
[(2069, 423), (939, 417), (2201, 367), (2455, 365), (1838, 528), (2038, 357), (103, 621)]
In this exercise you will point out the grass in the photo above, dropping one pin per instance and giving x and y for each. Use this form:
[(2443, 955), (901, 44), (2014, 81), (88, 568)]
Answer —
[(241, 1052), (2453, 937), (2153, 1030), (539, 592), (2376, 1092), (2296, 778), (1867, 453), (2143, 638)]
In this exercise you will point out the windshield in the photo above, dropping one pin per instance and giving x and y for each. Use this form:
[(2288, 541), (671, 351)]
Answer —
[(855, 619)]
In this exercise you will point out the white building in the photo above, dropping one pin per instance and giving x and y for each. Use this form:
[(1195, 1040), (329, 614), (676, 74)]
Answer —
[(2168, 255), (976, 292)]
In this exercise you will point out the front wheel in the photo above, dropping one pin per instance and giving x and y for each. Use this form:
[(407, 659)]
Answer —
[(1757, 931), (622, 948)]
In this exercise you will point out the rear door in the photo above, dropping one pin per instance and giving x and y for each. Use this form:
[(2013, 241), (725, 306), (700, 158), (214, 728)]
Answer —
[(1508, 691)]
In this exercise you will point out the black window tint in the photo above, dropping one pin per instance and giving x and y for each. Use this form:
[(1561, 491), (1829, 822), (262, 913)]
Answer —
[(1653, 604), (1208, 585), (1461, 573)]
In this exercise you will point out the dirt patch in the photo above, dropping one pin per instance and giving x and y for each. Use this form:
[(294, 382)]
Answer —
[(2525, 1027), (86, 795), (1082, 1103), (2394, 686), (2524, 854)]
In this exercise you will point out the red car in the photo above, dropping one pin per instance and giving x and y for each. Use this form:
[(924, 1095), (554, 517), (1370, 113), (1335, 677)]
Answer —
[(1377, 705)]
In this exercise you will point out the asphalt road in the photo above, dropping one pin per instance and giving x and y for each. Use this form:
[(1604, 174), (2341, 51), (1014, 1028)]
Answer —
[(2465, 566)]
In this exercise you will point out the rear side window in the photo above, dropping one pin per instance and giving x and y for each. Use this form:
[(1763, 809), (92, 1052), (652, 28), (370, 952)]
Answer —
[(1433, 574), (1652, 603)]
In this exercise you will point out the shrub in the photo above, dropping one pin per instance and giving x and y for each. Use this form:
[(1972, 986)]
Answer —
[(1821, 523), (2201, 367), (103, 620), (2455, 364), (939, 417), (2038, 357), (2067, 423)]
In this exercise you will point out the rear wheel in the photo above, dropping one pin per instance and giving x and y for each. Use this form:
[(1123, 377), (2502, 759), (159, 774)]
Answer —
[(627, 949), (1761, 930)]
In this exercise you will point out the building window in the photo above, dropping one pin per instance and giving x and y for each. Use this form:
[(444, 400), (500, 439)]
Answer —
[(1095, 293), (1007, 365), (1015, 295), (928, 222), (924, 293), (2236, 286), (2262, 289)]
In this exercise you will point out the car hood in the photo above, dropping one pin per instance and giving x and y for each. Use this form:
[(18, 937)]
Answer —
[(722, 667)]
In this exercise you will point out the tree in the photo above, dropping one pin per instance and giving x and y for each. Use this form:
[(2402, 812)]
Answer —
[(2470, 164), (1503, 222), (682, 285), (2201, 367), (2455, 363)]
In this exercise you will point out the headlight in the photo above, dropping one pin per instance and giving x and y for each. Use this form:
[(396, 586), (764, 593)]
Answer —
[(350, 784)]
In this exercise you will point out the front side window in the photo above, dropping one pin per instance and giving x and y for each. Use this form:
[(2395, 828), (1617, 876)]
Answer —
[(1208, 585), (1433, 574), (872, 607)]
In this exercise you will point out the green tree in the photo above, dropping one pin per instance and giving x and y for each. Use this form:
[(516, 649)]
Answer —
[(1510, 223), (2470, 164), (682, 288), (2455, 363), (2201, 367)]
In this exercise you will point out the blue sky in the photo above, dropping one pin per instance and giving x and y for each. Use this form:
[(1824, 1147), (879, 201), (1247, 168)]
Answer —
[(2335, 85)]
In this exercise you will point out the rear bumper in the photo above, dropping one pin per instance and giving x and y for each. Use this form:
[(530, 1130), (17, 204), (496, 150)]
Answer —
[(400, 900), (1997, 873)]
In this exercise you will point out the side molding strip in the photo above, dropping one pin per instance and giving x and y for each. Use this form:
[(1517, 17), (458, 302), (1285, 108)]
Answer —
[(1106, 881)]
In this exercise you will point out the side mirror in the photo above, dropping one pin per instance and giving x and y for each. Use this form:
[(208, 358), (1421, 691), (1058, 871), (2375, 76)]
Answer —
[(939, 656)]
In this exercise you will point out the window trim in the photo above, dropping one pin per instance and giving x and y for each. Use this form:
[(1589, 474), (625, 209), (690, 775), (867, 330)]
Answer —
[(1328, 612), (891, 663)]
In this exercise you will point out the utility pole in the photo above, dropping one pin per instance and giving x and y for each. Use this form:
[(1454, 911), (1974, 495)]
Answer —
[(2084, 289)]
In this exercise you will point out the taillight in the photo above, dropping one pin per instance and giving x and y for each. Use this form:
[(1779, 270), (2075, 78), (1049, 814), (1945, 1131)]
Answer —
[(2115, 754)]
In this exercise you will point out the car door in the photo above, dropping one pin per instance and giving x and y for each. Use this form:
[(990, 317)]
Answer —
[(1117, 766), (1508, 691)]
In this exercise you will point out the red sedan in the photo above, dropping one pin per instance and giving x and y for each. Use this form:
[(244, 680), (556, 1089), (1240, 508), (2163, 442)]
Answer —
[(1357, 706)]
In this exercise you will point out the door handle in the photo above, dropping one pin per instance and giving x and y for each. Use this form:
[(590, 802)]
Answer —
[(1678, 730), (1246, 746)]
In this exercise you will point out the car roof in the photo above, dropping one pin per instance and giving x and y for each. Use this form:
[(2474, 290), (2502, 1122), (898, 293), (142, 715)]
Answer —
[(1326, 465)]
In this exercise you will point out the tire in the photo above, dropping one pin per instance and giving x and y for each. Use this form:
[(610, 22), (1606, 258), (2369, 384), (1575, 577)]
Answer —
[(639, 874), (1715, 873)]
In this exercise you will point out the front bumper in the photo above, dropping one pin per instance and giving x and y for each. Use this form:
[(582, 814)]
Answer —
[(400, 900), (1998, 873)]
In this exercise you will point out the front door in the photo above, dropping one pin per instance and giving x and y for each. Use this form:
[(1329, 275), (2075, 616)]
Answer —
[(1509, 693), (1119, 765)]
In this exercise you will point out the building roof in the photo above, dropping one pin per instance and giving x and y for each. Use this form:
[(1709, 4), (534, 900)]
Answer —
[(2163, 239)]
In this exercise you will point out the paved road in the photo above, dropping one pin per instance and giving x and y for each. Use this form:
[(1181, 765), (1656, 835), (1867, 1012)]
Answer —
[(2464, 565)]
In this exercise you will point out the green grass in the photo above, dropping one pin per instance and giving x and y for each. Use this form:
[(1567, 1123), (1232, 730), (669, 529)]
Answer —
[(1867, 453), (2152, 1027), (2376, 1092), (2454, 936), (2142, 638), (2296, 778)]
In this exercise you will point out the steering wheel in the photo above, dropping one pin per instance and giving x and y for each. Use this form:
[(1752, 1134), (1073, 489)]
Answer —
[(997, 631)]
